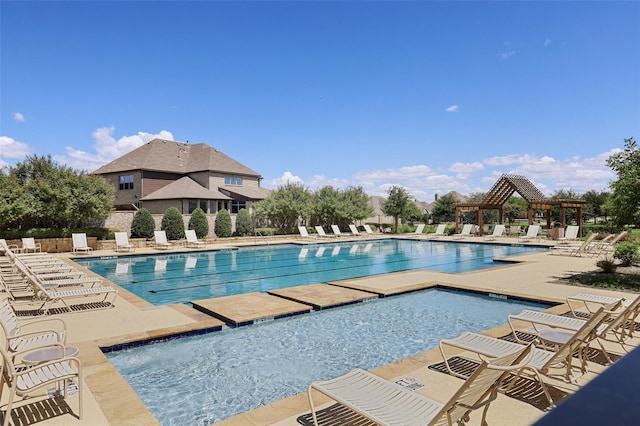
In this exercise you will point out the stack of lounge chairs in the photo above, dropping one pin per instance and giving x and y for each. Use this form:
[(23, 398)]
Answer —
[(41, 282)]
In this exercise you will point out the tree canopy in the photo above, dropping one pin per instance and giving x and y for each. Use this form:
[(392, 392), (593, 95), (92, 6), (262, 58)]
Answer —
[(396, 204), (625, 199), (39, 193)]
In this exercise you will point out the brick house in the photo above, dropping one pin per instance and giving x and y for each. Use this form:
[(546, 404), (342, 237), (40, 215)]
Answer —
[(162, 174)]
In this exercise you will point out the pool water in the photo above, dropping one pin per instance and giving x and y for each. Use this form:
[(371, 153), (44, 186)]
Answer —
[(204, 379), (184, 277)]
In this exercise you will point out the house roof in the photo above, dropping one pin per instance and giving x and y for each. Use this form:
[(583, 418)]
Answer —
[(176, 157), (183, 188), (250, 193)]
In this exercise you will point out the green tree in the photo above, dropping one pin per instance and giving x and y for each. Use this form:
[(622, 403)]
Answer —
[(222, 226), (286, 205), (595, 202), (514, 208), (243, 223), (173, 224), (353, 205), (199, 223), (325, 205), (57, 197), (625, 198), (396, 204), (444, 209), (413, 213), (143, 224)]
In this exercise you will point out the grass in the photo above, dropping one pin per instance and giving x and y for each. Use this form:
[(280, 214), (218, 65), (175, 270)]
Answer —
[(629, 281)]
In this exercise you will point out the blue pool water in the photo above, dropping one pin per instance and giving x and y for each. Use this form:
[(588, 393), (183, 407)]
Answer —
[(204, 379), (184, 277)]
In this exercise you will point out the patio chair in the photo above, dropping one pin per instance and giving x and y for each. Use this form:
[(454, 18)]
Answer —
[(439, 231), (192, 239), (514, 231), (419, 230), (24, 382), (466, 231), (25, 335), (160, 240), (29, 245), (303, 232), (532, 233), (498, 231), (321, 233), (368, 230), (570, 235), (542, 361), (354, 230), (388, 403), (575, 250), (80, 244), (122, 242), (336, 230)]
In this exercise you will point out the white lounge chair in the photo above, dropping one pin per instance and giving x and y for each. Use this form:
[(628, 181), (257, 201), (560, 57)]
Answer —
[(23, 382), (466, 231), (80, 244), (160, 240), (192, 239), (498, 231), (336, 230), (368, 229), (418, 231), (321, 233), (29, 245), (303, 232), (354, 230), (439, 231), (575, 250), (23, 335), (532, 233), (570, 235), (388, 403), (542, 361), (122, 242)]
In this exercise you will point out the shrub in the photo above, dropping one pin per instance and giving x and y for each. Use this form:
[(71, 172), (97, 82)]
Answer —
[(607, 264), (173, 224), (222, 226), (143, 224), (199, 223), (243, 223), (627, 253)]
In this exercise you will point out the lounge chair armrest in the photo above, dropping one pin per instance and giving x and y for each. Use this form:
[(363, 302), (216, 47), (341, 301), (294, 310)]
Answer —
[(62, 336), (52, 322)]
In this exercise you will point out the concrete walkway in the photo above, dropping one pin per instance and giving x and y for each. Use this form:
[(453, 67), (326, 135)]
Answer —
[(110, 400)]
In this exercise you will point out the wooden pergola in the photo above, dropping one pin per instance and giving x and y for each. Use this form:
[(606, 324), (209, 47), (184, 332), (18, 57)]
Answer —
[(504, 189)]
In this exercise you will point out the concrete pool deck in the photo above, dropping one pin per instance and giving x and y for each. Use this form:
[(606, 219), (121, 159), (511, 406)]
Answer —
[(110, 400)]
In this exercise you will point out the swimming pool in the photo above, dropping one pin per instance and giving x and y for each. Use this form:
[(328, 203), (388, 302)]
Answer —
[(204, 379), (184, 277)]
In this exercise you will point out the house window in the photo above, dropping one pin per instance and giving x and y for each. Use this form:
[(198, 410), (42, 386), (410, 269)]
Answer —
[(223, 205), (194, 204), (233, 180), (126, 182), (237, 205)]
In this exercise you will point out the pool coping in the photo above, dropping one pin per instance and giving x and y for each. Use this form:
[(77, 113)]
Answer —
[(111, 391)]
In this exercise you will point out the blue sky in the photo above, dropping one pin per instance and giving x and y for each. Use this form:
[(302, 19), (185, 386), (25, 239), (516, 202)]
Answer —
[(433, 96)]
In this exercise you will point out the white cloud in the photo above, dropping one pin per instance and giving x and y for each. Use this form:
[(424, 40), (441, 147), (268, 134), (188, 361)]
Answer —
[(11, 148), (547, 42), (394, 174), (17, 116), (287, 177), (466, 167), (508, 54), (107, 148), (453, 108)]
